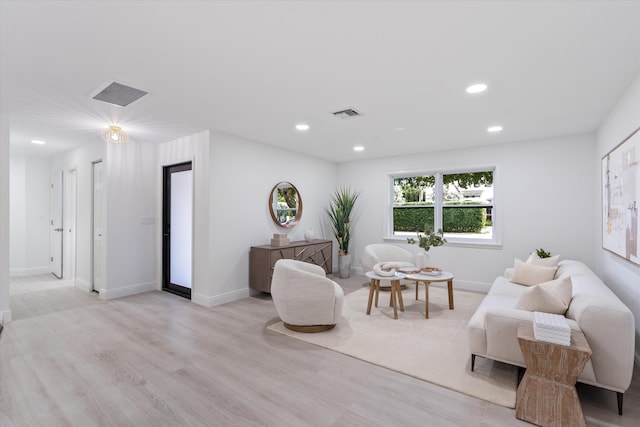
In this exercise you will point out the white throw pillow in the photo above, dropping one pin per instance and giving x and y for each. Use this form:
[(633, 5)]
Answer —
[(550, 297), (531, 274), (546, 262)]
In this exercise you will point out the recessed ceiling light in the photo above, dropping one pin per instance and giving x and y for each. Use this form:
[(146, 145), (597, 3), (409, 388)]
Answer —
[(38, 142), (358, 148), (494, 129), (477, 88), (399, 128), (302, 126)]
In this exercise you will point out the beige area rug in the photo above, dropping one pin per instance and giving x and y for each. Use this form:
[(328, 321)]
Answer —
[(434, 349)]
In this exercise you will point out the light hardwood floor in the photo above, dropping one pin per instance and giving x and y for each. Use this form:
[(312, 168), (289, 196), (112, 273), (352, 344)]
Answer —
[(155, 359)]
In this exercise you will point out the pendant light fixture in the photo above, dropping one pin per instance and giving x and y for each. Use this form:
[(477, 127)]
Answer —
[(115, 135)]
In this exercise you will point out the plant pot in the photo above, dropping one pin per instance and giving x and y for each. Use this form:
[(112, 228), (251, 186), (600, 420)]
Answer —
[(344, 266)]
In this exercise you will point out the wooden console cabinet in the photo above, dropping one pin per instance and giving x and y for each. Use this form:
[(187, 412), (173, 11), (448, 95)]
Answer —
[(262, 259)]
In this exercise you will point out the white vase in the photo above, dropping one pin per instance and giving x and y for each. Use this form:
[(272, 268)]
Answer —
[(344, 266), (422, 259), (309, 235)]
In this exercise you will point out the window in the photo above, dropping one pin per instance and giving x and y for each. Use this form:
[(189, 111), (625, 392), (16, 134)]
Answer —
[(460, 203)]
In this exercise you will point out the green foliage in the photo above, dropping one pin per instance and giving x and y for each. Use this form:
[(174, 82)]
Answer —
[(455, 220), (413, 218), (410, 193), (464, 180), (416, 181), (289, 196), (427, 240), (542, 253), (461, 180), (464, 220), (339, 211)]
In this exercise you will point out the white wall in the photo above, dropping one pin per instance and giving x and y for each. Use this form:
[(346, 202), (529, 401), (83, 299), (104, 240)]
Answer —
[(29, 217), (130, 242), (622, 276), (81, 160), (5, 310), (543, 198), (242, 175), (17, 219), (193, 148)]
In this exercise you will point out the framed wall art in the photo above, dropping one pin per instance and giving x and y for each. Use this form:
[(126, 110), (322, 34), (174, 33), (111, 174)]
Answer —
[(621, 198)]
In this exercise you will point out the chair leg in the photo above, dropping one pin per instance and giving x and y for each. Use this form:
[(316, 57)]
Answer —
[(473, 361), (620, 396)]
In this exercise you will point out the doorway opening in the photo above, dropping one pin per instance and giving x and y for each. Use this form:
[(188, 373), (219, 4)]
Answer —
[(177, 229)]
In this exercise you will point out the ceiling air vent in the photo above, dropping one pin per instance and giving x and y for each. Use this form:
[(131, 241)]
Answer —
[(347, 114), (118, 94)]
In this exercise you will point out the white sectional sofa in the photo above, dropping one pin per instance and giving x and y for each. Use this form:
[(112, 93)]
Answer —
[(593, 308)]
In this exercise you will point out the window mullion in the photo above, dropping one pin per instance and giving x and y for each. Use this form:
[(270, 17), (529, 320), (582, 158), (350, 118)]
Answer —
[(437, 202)]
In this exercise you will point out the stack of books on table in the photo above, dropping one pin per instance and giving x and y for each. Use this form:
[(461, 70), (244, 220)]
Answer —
[(551, 328)]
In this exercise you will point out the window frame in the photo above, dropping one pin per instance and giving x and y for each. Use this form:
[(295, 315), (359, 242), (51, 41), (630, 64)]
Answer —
[(496, 239)]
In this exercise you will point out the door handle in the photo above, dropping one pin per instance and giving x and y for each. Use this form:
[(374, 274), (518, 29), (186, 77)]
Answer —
[(57, 229)]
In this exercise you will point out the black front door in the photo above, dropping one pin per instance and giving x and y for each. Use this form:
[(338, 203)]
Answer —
[(177, 229)]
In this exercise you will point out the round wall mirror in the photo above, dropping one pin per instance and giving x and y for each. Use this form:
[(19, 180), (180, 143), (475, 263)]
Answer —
[(285, 204)]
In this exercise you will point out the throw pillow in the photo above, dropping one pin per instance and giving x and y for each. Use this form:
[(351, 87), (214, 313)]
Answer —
[(546, 262), (550, 297), (531, 274)]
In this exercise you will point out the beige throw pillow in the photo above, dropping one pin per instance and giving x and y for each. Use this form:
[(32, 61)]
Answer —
[(546, 262), (531, 274), (550, 297)]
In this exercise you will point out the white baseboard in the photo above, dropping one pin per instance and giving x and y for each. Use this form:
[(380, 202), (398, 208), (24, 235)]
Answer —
[(83, 285), (20, 272), (212, 301), (125, 291)]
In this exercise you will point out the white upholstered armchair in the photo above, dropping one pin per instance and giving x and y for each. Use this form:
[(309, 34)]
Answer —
[(306, 300), (381, 252)]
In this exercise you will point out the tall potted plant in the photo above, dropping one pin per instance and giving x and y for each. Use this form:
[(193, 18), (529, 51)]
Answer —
[(340, 206)]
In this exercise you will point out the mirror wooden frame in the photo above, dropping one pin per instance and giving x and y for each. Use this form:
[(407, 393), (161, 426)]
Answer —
[(273, 199)]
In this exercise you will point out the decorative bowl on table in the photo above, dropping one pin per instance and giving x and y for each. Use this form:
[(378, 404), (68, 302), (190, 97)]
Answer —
[(430, 271)]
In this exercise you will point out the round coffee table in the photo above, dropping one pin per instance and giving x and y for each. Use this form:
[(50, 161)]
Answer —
[(444, 276), (396, 290)]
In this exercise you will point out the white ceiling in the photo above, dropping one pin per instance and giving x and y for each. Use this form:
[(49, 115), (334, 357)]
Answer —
[(256, 68)]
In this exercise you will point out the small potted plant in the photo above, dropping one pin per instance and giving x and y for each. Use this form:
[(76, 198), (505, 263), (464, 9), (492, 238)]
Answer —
[(426, 241), (339, 211), (542, 253)]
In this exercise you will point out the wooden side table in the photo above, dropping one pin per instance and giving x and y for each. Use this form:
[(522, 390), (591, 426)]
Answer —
[(547, 394), (444, 276), (395, 288)]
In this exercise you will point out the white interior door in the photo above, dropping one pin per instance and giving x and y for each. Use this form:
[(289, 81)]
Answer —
[(70, 218), (56, 228), (98, 224)]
